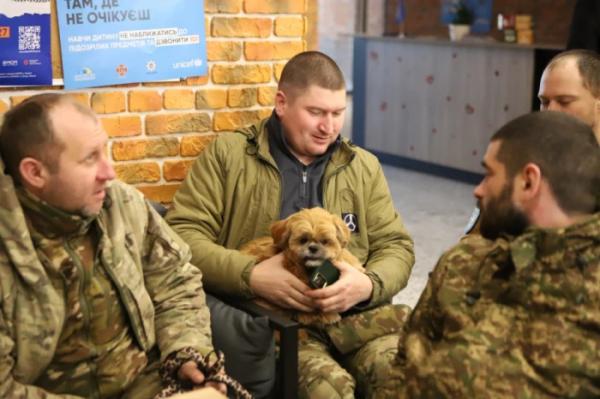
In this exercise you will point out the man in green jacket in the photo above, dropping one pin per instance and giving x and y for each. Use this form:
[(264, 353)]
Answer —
[(516, 313), (95, 289), (296, 159)]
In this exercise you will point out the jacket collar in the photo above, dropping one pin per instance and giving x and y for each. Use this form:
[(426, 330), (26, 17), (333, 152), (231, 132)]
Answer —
[(50, 221), (538, 243)]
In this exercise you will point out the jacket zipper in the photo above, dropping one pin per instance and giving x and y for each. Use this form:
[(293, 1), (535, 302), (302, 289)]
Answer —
[(304, 181), (85, 310)]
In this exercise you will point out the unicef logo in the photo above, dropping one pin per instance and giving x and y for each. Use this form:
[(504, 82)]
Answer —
[(351, 221)]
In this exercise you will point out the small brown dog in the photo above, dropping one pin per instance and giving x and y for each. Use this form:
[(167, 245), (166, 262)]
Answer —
[(306, 238)]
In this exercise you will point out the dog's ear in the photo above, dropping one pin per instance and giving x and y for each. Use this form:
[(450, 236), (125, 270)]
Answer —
[(280, 234), (343, 233)]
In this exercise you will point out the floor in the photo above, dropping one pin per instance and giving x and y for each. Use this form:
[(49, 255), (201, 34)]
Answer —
[(435, 212)]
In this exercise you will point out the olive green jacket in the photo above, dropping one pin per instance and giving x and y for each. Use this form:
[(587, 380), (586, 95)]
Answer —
[(148, 264), (233, 193)]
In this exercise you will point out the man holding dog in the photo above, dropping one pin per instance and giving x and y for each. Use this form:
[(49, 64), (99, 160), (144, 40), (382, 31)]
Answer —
[(96, 291), (292, 160), (516, 313)]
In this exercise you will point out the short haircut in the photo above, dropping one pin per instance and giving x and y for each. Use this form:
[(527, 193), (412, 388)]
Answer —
[(588, 63), (564, 148), (27, 131), (310, 68)]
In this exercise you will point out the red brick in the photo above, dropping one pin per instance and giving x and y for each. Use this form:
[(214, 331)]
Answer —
[(262, 51), (176, 170), (178, 99), (144, 100), (161, 193), (108, 102), (120, 126), (138, 149), (274, 6), (177, 123), (227, 121), (241, 27), (138, 172), (223, 51), (238, 98), (236, 74), (192, 146)]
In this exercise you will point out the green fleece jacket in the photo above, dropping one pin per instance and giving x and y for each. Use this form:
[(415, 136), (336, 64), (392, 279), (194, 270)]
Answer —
[(232, 194), (148, 264)]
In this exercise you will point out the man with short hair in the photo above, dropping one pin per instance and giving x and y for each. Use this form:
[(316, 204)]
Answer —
[(296, 159), (95, 288), (516, 313), (571, 83)]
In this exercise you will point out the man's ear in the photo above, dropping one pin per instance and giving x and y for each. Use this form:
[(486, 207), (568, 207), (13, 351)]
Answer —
[(280, 103), (33, 173), (528, 182)]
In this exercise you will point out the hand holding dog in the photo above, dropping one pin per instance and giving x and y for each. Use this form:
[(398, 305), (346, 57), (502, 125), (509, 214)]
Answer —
[(270, 280), (353, 287)]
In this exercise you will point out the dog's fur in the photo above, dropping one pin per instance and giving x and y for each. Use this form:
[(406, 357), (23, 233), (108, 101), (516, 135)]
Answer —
[(306, 238)]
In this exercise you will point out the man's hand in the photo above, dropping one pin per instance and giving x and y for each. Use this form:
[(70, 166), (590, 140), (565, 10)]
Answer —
[(271, 281), (352, 287), (189, 372)]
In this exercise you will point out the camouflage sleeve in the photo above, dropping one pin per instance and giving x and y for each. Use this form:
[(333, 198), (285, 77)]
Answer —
[(445, 294), (9, 387), (175, 286)]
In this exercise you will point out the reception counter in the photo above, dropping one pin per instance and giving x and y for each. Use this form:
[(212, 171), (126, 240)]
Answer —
[(432, 104)]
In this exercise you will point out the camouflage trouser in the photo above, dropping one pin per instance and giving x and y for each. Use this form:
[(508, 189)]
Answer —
[(146, 385), (366, 370)]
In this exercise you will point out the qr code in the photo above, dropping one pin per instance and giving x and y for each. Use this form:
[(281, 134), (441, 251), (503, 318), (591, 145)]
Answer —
[(29, 38)]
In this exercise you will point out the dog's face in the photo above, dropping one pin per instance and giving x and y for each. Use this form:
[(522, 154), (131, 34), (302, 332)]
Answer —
[(311, 236)]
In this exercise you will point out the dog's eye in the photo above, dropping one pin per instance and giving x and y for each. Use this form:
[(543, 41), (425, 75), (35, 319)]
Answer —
[(303, 240), (324, 241)]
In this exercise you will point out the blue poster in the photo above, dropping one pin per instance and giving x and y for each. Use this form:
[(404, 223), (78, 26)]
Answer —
[(25, 43), (481, 10), (110, 42)]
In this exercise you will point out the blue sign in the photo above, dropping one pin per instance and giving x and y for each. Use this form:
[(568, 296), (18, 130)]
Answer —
[(25, 43), (109, 42)]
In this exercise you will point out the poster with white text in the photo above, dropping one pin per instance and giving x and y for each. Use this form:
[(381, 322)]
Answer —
[(109, 42), (25, 43)]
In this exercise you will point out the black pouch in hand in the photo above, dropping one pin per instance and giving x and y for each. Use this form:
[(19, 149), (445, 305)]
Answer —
[(324, 275)]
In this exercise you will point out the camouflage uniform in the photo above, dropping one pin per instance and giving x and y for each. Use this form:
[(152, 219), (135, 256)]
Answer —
[(512, 318), (351, 357), (90, 306)]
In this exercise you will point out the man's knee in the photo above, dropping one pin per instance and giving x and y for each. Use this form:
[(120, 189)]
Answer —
[(321, 384), (320, 376), (375, 369)]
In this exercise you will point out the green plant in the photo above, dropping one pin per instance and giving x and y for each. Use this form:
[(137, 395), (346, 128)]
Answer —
[(462, 14)]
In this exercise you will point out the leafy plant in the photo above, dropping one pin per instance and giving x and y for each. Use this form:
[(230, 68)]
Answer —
[(462, 14)]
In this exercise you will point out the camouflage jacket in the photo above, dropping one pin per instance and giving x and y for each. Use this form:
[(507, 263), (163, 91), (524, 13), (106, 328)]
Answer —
[(511, 318), (149, 265)]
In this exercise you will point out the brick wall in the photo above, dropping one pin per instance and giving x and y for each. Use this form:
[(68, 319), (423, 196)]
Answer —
[(157, 129), (551, 18)]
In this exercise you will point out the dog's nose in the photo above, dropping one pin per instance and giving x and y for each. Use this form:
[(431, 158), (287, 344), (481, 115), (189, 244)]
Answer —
[(313, 248)]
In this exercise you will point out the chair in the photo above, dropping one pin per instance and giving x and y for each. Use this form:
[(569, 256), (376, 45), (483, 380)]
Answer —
[(286, 368)]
